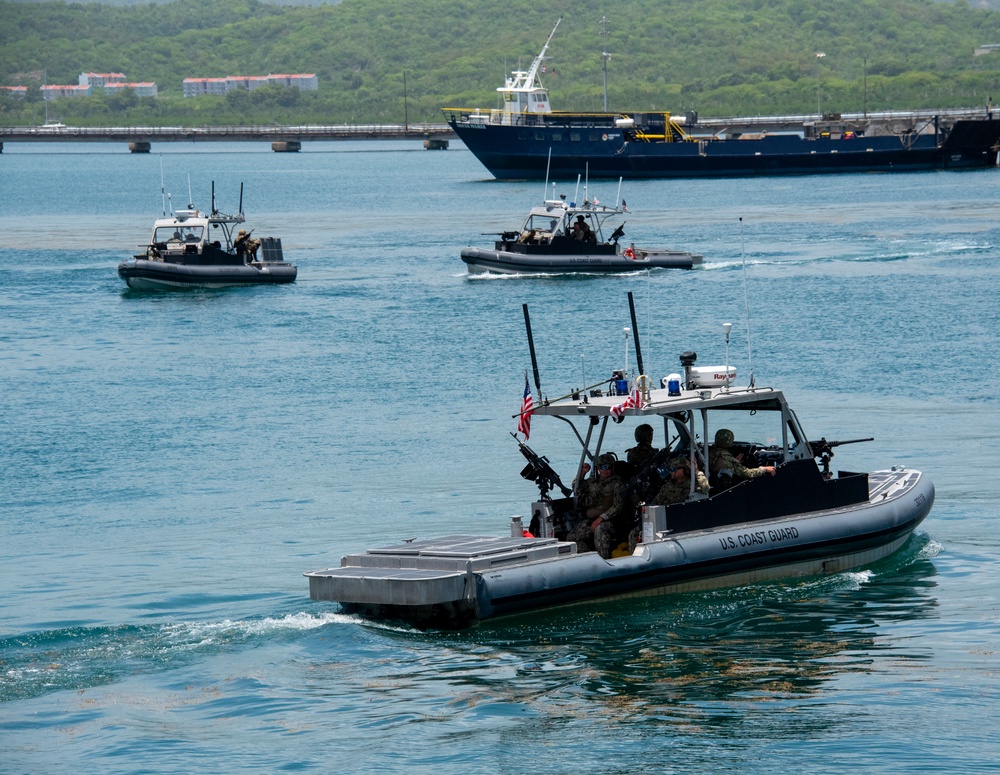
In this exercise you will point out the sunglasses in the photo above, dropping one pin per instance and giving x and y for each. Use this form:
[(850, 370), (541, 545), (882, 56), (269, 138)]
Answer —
[(605, 467)]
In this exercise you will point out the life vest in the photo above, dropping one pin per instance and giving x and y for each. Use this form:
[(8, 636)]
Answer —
[(629, 253)]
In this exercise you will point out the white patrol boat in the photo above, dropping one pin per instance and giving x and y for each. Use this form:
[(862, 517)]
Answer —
[(561, 236), (194, 249), (800, 521)]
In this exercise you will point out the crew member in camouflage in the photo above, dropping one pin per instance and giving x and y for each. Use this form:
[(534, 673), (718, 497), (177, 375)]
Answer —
[(644, 449), (596, 501), (676, 489), (724, 465)]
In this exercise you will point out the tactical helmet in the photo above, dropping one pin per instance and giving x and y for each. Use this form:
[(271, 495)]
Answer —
[(607, 459), (681, 462), (724, 438), (644, 433)]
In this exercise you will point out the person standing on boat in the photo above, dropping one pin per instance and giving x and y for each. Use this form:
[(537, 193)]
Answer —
[(246, 245), (596, 500), (726, 468), (644, 449)]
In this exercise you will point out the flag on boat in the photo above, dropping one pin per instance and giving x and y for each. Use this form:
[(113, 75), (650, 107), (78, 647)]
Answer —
[(524, 420), (633, 401)]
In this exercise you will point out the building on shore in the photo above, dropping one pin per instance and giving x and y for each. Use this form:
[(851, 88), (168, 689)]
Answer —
[(55, 91), (16, 91), (196, 87), (101, 80), (142, 89)]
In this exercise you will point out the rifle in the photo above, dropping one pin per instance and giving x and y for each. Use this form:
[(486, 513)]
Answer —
[(540, 472), (823, 449)]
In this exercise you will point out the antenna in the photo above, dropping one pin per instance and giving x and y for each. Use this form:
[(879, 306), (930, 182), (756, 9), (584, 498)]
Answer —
[(635, 334), (726, 328), (746, 302), (604, 57), (618, 196), (627, 332), (190, 195), (576, 194), (531, 349), (214, 211), (163, 196), (241, 198), (545, 191)]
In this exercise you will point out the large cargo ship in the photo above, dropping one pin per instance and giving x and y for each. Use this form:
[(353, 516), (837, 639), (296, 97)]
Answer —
[(526, 139)]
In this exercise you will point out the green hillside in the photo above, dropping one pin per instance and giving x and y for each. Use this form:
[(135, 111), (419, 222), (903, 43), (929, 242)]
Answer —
[(717, 57)]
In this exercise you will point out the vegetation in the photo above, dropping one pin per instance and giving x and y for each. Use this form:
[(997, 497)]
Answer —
[(717, 57)]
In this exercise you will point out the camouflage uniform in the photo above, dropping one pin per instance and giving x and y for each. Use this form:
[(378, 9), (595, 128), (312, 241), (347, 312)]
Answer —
[(672, 491), (596, 496), (724, 462), (644, 450)]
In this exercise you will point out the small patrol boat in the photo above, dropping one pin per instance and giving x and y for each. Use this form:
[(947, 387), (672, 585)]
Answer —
[(194, 249), (801, 520), (561, 236)]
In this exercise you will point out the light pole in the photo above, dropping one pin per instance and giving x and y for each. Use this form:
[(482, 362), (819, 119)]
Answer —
[(819, 56)]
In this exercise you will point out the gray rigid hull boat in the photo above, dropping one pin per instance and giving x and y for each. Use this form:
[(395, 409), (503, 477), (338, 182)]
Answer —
[(194, 249), (561, 237), (802, 521)]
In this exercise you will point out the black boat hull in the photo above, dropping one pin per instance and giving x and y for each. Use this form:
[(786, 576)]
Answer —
[(141, 274)]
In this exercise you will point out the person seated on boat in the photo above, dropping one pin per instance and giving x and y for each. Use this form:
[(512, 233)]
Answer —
[(582, 230), (176, 236), (726, 468), (527, 237), (675, 489), (644, 448), (596, 500)]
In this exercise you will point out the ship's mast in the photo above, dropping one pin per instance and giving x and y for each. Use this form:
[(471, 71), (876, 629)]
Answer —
[(532, 74)]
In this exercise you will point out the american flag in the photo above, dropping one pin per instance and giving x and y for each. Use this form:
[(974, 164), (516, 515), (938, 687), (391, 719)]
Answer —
[(524, 420), (634, 400)]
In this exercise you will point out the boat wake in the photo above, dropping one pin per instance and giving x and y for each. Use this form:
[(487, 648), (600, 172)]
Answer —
[(82, 657)]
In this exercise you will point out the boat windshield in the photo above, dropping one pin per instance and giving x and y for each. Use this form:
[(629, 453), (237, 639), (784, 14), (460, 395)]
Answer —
[(544, 224), (178, 233)]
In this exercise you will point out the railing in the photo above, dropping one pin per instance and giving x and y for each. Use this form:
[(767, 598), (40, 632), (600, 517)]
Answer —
[(190, 133)]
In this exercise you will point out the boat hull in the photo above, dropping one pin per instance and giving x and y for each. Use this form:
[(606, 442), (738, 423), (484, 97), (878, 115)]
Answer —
[(481, 260), (143, 274), (460, 579), (532, 152)]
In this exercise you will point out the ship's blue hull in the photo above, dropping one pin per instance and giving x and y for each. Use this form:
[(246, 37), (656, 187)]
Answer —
[(561, 149)]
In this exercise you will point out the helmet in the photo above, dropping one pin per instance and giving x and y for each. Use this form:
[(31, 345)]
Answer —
[(724, 438), (607, 459), (680, 462), (644, 433)]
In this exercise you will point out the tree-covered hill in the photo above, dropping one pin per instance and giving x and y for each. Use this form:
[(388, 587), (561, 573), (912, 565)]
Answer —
[(717, 57)]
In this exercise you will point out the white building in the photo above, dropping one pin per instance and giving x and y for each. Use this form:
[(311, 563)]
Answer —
[(142, 89), (101, 79), (16, 91), (53, 92), (195, 87)]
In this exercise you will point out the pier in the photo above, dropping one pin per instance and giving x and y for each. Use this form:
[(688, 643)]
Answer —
[(140, 139)]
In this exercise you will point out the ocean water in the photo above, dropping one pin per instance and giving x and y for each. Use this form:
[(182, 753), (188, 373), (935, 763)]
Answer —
[(171, 463)]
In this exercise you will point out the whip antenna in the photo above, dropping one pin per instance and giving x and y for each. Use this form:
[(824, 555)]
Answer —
[(746, 302), (163, 195), (531, 349), (635, 335), (545, 192)]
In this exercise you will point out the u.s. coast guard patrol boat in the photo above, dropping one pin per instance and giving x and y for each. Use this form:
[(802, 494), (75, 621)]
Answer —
[(801, 521), (560, 236), (194, 249)]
